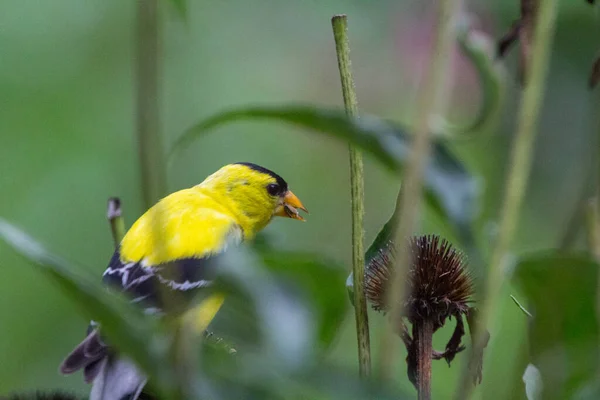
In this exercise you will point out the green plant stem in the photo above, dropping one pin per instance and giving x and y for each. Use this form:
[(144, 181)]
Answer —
[(117, 225), (150, 146), (431, 101), (340, 27), (533, 94)]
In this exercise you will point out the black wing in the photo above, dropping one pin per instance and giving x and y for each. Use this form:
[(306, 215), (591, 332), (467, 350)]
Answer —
[(155, 288)]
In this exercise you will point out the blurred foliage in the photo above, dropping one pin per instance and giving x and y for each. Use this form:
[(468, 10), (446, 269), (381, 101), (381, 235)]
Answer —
[(181, 6), (67, 144), (276, 363), (563, 334)]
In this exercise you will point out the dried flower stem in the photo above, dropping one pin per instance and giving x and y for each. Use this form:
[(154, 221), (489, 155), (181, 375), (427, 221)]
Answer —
[(423, 334), (430, 101), (533, 93), (340, 27), (150, 147)]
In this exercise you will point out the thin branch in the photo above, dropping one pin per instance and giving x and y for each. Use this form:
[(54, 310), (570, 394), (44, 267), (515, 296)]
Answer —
[(431, 100), (339, 24), (423, 336)]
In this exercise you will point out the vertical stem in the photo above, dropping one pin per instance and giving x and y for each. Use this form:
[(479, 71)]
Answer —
[(423, 335), (519, 165), (431, 99), (150, 146), (117, 225), (339, 24), (592, 220)]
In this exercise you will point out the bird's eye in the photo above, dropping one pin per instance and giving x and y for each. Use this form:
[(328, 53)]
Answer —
[(273, 189)]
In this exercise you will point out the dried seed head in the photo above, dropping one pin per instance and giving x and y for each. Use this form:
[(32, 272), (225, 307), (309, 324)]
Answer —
[(377, 277), (438, 287), (438, 283)]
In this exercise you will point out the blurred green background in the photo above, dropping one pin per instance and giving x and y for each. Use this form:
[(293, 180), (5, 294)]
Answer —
[(67, 143)]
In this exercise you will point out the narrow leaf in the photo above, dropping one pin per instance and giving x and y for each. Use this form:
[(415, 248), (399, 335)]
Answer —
[(514, 299), (124, 325), (449, 188), (479, 50), (378, 137)]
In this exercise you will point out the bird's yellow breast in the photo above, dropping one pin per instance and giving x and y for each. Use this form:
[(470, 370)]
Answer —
[(186, 224)]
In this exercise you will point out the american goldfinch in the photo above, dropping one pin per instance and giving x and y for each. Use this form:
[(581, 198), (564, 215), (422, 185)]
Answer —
[(167, 252)]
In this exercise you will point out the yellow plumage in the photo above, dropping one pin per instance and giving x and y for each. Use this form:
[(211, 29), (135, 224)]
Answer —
[(230, 205), (171, 229)]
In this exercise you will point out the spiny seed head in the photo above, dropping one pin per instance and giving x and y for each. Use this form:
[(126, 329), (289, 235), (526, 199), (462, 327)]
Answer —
[(377, 277), (438, 283)]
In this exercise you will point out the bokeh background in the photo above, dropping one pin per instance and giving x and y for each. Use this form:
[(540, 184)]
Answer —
[(67, 143)]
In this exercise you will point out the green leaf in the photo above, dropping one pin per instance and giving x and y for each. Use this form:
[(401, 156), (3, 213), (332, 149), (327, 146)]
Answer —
[(514, 299), (563, 333), (385, 235), (480, 51), (125, 326), (386, 142), (319, 280), (449, 187)]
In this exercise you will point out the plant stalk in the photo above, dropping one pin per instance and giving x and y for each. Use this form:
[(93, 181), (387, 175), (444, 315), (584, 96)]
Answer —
[(117, 225), (431, 101), (593, 227), (423, 335), (342, 47), (520, 165), (150, 146)]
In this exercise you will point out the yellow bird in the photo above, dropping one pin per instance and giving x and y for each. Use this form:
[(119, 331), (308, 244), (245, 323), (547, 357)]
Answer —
[(166, 251)]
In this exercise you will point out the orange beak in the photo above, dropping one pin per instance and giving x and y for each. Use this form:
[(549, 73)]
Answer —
[(290, 206)]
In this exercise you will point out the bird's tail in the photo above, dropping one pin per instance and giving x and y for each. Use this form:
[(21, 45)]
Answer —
[(116, 377), (113, 378), (87, 355)]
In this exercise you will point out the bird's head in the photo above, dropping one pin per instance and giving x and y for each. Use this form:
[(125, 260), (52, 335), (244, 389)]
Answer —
[(255, 194)]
